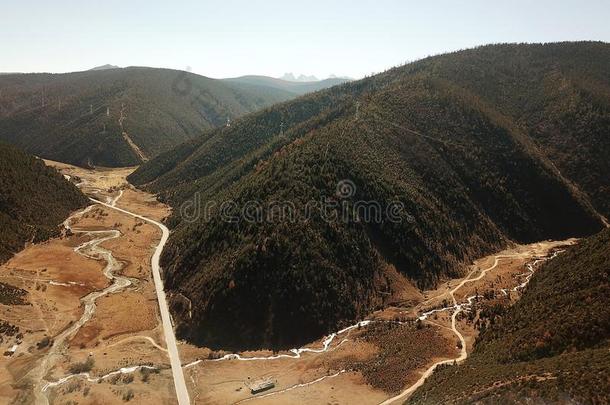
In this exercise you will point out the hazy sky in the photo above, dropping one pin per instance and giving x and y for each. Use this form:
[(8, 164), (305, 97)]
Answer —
[(231, 38)]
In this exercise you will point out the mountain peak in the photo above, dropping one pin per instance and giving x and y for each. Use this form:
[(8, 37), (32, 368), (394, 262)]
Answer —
[(106, 67), (301, 78)]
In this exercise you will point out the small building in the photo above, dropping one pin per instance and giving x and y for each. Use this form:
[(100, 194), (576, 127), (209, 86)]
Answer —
[(261, 385)]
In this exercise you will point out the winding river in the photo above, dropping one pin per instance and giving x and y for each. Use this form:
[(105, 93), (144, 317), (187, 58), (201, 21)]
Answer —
[(91, 250), (456, 309)]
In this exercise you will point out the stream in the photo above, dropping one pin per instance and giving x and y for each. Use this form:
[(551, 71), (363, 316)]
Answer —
[(91, 250)]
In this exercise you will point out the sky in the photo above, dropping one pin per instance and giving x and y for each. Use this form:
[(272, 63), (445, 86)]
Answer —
[(231, 38)]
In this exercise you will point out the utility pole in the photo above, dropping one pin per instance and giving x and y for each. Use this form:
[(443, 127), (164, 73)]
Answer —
[(107, 112)]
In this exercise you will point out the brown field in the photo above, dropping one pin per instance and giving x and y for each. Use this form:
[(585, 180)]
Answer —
[(112, 320), (156, 390), (369, 364), (134, 249), (376, 361), (111, 181), (38, 269), (144, 204), (100, 177), (124, 329)]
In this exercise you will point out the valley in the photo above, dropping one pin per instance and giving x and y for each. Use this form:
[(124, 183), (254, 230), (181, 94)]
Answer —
[(434, 233), (380, 360), (117, 349), (91, 304)]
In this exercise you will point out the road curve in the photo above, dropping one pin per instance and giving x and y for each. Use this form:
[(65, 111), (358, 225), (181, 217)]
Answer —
[(463, 353), (168, 330)]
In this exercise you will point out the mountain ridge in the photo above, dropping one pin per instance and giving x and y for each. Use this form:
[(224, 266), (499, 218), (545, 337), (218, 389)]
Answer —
[(294, 87), (74, 117), (477, 162)]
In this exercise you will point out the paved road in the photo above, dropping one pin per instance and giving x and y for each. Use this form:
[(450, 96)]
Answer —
[(168, 330)]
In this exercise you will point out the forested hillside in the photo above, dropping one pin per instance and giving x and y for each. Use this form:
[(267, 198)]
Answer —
[(34, 200), (81, 118), (550, 347), (481, 147)]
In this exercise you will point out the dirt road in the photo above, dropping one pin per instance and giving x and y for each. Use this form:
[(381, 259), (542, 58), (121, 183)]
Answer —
[(457, 309)]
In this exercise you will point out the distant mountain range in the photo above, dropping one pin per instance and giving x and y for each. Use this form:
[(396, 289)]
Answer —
[(293, 87), (480, 148), (290, 77), (301, 78), (111, 116)]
